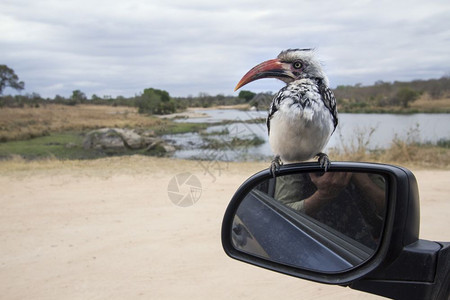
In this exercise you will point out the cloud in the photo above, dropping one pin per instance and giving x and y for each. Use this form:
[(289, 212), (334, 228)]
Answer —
[(186, 47)]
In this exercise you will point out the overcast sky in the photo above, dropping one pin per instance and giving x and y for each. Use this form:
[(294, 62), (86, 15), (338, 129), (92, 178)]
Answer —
[(186, 47)]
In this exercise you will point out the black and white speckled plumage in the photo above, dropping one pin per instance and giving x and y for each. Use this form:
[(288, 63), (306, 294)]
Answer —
[(303, 114), (300, 96)]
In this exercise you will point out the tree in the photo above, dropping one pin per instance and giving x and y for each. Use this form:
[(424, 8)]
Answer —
[(154, 101), (247, 95), (95, 97), (8, 78), (78, 97), (406, 95)]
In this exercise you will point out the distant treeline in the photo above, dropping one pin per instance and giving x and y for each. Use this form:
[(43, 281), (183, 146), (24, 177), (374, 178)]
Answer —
[(155, 101), (383, 94), (150, 101)]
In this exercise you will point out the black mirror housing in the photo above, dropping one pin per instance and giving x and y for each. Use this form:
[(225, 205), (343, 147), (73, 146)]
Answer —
[(399, 241)]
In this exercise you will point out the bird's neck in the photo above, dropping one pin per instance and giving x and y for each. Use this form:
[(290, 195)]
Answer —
[(317, 81)]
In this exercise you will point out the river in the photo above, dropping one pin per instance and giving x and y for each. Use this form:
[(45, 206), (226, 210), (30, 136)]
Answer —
[(375, 131)]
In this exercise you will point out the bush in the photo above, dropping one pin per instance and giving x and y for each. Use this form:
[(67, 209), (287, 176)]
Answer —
[(404, 96), (444, 143), (154, 101), (247, 95)]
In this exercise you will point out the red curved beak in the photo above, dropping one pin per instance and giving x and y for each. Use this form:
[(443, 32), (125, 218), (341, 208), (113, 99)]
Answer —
[(269, 69)]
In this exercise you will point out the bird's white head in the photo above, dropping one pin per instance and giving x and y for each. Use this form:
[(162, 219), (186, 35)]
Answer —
[(290, 65)]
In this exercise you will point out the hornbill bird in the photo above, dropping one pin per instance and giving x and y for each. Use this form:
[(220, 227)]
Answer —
[(303, 114)]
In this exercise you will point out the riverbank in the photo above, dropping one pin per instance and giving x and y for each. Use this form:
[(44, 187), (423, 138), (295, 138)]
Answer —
[(58, 131), (29, 122), (106, 228)]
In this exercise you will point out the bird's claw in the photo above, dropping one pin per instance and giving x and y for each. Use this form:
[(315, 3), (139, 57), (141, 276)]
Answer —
[(324, 161), (275, 165)]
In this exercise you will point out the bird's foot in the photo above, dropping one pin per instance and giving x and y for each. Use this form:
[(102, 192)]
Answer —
[(324, 161), (275, 165)]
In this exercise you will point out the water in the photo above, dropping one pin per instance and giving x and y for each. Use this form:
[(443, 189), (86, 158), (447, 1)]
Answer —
[(376, 131), (221, 115), (417, 127), (194, 146)]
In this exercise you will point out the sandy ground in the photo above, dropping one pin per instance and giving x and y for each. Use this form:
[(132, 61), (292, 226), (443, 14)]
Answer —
[(106, 229)]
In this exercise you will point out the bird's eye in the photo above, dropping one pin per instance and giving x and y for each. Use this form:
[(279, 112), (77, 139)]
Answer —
[(297, 65)]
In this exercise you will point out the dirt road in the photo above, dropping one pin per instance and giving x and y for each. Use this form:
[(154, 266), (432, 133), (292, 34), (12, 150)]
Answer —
[(106, 229)]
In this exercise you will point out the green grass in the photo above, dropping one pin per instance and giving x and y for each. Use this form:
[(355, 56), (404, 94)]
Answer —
[(68, 145), (169, 127), (60, 145)]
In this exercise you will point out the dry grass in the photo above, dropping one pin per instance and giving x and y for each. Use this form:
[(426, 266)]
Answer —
[(25, 123), (426, 103), (400, 152)]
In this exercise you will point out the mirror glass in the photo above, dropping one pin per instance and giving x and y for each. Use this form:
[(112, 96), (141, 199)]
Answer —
[(327, 222)]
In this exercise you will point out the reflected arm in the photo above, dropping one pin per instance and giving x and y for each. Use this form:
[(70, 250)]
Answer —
[(328, 185), (374, 193), (309, 194)]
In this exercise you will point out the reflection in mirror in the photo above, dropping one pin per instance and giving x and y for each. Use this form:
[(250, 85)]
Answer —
[(327, 222)]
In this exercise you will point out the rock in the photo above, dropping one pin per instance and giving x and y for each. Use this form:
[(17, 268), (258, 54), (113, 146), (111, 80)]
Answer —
[(168, 148), (113, 138), (163, 146), (105, 138), (118, 138), (154, 144), (130, 138), (148, 133)]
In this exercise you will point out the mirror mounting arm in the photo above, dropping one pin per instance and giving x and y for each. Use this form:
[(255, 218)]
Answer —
[(420, 272)]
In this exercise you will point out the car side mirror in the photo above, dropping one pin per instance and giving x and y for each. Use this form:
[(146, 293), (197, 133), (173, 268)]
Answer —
[(331, 222), (352, 225)]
